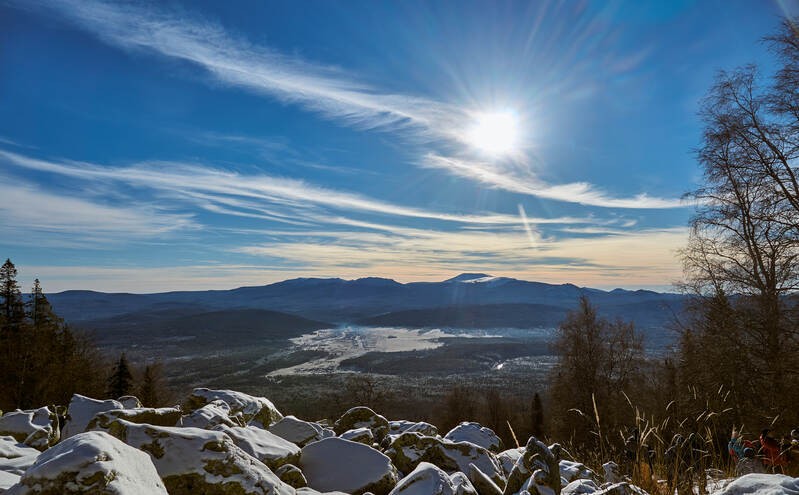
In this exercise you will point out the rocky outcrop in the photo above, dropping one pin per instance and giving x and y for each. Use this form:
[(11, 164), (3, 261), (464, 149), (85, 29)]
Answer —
[(362, 417), (162, 416), (335, 464), (476, 434), (196, 461), (263, 445), (256, 411), (300, 432), (82, 410), (37, 428), (92, 462)]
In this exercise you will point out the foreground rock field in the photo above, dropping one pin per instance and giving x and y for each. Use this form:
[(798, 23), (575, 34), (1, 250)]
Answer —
[(225, 442)]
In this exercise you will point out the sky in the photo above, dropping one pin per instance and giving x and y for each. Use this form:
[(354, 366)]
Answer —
[(154, 146)]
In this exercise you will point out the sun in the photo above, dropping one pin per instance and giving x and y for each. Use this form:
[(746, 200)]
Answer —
[(495, 133)]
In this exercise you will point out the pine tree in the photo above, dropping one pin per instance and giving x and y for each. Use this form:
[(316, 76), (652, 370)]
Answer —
[(148, 392), (537, 413), (121, 380), (11, 306)]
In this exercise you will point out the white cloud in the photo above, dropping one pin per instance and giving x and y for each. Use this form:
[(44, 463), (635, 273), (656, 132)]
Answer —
[(255, 196), (31, 215), (326, 90), (519, 178)]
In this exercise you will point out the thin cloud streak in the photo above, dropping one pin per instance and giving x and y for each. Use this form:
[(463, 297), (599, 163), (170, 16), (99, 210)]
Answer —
[(519, 179), (28, 211), (322, 89)]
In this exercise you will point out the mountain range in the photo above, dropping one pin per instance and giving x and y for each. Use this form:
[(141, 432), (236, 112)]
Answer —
[(470, 300)]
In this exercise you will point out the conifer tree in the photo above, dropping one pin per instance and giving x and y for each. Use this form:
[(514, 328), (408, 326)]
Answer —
[(121, 380), (149, 391), (537, 413)]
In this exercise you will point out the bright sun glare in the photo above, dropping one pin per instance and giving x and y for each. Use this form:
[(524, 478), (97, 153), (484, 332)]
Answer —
[(495, 133)]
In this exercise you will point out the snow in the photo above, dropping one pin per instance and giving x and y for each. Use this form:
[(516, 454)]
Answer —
[(33, 427), (475, 434), (361, 435), (10, 448), (263, 445), (7, 480), (89, 462), (210, 415), (508, 459), (401, 426), (579, 487), (82, 409), (186, 457), (298, 431), (762, 484), (426, 479), (335, 464), (250, 407)]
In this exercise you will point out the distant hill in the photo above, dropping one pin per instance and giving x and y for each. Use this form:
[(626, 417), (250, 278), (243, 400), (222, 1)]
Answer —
[(469, 300), (220, 328)]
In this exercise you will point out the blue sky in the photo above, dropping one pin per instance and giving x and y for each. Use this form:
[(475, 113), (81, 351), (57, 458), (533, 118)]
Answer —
[(150, 146)]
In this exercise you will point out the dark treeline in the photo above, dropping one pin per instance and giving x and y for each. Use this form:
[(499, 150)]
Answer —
[(43, 361)]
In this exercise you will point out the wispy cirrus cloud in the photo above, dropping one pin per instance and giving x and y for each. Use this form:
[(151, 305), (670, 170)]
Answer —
[(257, 196), (31, 215), (329, 91), (518, 178)]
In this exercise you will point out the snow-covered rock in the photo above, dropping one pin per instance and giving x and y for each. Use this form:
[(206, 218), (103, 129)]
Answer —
[(300, 432), (162, 416), (36, 427), (15, 457), (91, 462), (508, 458), (409, 449), (360, 435), (291, 475), (482, 483), (476, 434), (762, 484), (263, 445), (213, 414), (462, 484), (624, 488), (580, 487), (362, 417), (537, 466), (612, 472), (196, 461), (398, 427), (571, 470), (130, 401), (335, 464), (259, 411), (7, 480), (426, 479), (81, 411)]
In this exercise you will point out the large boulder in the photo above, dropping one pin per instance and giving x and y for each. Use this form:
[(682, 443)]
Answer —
[(162, 416), (426, 479), (537, 467), (291, 475), (257, 411), (482, 483), (401, 426), (571, 470), (81, 410), (507, 459), (92, 462), (263, 445), (300, 432), (762, 484), (15, 457), (7, 480), (209, 416), (409, 449), (335, 464), (580, 487), (194, 461), (462, 484), (362, 417), (360, 435), (37, 428), (476, 434)]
